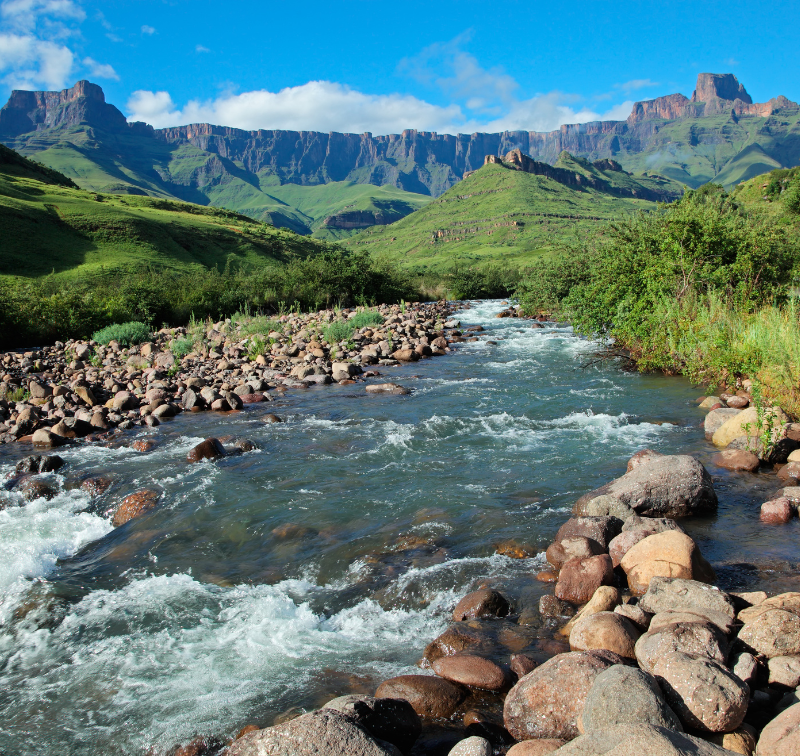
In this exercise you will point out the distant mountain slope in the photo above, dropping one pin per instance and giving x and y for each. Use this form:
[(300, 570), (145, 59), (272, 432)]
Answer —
[(512, 210), (718, 134), (47, 226)]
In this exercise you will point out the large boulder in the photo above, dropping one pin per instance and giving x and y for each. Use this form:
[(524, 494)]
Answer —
[(746, 424), (568, 548), (698, 639), (717, 418), (473, 671), (548, 702), (605, 630), (482, 603), (324, 731), (625, 695), (211, 449), (667, 554), (705, 695), (665, 594), (430, 697), (789, 602), (781, 737), (775, 632), (581, 577), (599, 529), (665, 486), (640, 740), (391, 719)]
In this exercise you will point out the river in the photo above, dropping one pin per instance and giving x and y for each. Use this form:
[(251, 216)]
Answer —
[(325, 560)]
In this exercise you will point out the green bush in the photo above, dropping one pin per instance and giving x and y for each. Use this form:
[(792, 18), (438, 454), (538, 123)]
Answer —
[(489, 282), (181, 347), (337, 331), (366, 318), (125, 334)]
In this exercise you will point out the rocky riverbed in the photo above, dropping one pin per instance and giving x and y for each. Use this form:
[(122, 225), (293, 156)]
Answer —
[(574, 660)]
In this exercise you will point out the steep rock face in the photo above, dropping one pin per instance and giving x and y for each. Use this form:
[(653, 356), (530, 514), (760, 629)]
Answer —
[(667, 108), (723, 86)]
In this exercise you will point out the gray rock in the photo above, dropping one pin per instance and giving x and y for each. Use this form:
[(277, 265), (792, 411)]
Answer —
[(656, 524), (473, 746), (391, 719), (677, 594), (784, 671), (705, 695), (717, 418), (640, 740), (745, 667), (687, 637), (662, 619), (321, 732), (604, 506), (775, 632), (666, 486), (624, 695), (599, 529)]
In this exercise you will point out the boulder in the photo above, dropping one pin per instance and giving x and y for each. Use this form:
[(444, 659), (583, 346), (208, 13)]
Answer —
[(705, 695), (482, 603), (745, 424), (605, 630), (548, 702), (581, 577), (777, 511), (781, 737), (625, 695), (716, 419), (775, 632), (625, 541), (698, 639), (637, 615), (665, 594), (599, 529), (211, 448), (737, 460), (47, 439), (784, 671), (539, 747), (640, 740), (473, 746), (472, 671), (405, 355), (135, 505), (562, 551), (667, 554), (522, 664), (663, 619), (325, 731), (645, 455), (604, 599), (38, 463), (430, 697), (664, 486), (790, 602), (451, 641), (390, 719)]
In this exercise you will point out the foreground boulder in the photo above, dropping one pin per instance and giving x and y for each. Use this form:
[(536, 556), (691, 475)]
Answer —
[(625, 695), (695, 638), (665, 594), (662, 486), (775, 632), (548, 702), (781, 737), (581, 577), (211, 448), (483, 603), (640, 740), (324, 731), (430, 697), (605, 630), (390, 719)]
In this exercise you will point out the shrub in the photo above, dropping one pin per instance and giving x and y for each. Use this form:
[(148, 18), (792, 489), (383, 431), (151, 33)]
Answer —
[(366, 318), (492, 281), (181, 347), (125, 334), (338, 331)]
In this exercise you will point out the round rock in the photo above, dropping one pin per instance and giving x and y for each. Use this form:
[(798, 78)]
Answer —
[(605, 630), (430, 697)]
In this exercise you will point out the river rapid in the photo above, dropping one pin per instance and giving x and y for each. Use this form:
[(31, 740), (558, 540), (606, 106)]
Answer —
[(324, 561)]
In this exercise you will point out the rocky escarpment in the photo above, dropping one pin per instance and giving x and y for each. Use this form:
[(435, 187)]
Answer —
[(361, 219)]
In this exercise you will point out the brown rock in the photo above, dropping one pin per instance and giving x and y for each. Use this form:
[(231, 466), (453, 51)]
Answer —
[(514, 550), (46, 439), (694, 638), (135, 505), (774, 632), (569, 548), (737, 460), (600, 529), (781, 737), (405, 355), (144, 445), (473, 671), (580, 578), (637, 615), (605, 598), (453, 640), (211, 448), (430, 697), (482, 603), (777, 511), (270, 418), (522, 664), (97, 485), (34, 488), (741, 740), (547, 576), (641, 457), (625, 541), (790, 602), (539, 747), (548, 702), (605, 630)]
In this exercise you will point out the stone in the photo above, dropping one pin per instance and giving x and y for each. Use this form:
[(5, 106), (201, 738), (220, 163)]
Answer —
[(135, 505), (405, 355), (451, 641), (211, 449), (97, 485), (640, 740), (601, 506), (38, 391), (199, 746), (663, 486), (781, 737), (775, 632), (124, 401), (744, 424), (626, 695), (599, 529), (625, 541), (656, 524), (693, 638), (707, 402), (744, 666), (550, 606), (387, 388), (85, 394), (784, 671), (637, 615), (562, 551), (641, 457), (270, 419), (716, 419), (35, 488), (390, 719), (705, 695), (39, 464), (482, 603), (430, 697), (737, 460), (472, 671), (788, 601), (667, 554), (581, 577), (548, 702), (325, 731), (538, 747), (737, 402), (742, 740), (605, 598), (605, 630), (664, 619), (777, 511), (472, 746), (47, 439), (666, 594), (522, 664)]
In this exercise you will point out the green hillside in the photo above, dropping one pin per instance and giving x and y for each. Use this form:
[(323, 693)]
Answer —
[(47, 226), (498, 214)]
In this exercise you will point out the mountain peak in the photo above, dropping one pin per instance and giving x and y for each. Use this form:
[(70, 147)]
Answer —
[(719, 86)]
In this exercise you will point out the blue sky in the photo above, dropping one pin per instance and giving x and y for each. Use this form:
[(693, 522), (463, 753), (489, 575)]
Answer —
[(365, 65)]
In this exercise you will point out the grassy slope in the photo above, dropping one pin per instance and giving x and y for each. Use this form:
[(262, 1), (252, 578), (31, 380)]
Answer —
[(478, 214), (74, 233)]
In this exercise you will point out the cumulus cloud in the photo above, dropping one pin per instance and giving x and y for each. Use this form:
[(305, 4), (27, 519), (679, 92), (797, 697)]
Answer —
[(100, 70), (634, 84), (148, 29), (201, 49)]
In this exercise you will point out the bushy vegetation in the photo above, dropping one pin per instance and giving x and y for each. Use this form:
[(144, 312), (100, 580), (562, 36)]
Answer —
[(41, 310), (339, 330), (489, 282), (366, 318), (701, 287), (125, 334)]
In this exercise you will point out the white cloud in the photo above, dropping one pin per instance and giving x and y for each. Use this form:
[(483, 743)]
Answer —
[(25, 14), (731, 61), (201, 49), (30, 63), (634, 84), (148, 29), (100, 70)]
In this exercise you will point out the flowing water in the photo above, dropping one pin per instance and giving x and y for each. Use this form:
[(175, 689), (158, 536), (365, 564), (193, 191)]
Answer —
[(325, 560)]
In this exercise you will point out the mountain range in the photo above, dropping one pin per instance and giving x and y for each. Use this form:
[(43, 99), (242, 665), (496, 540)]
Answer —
[(333, 185)]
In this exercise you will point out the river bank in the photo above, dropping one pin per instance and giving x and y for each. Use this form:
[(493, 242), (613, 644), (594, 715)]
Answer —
[(323, 561)]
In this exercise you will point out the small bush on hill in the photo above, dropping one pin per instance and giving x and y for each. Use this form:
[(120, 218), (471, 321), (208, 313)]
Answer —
[(366, 318), (482, 283), (337, 331), (125, 334), (181, 347)]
